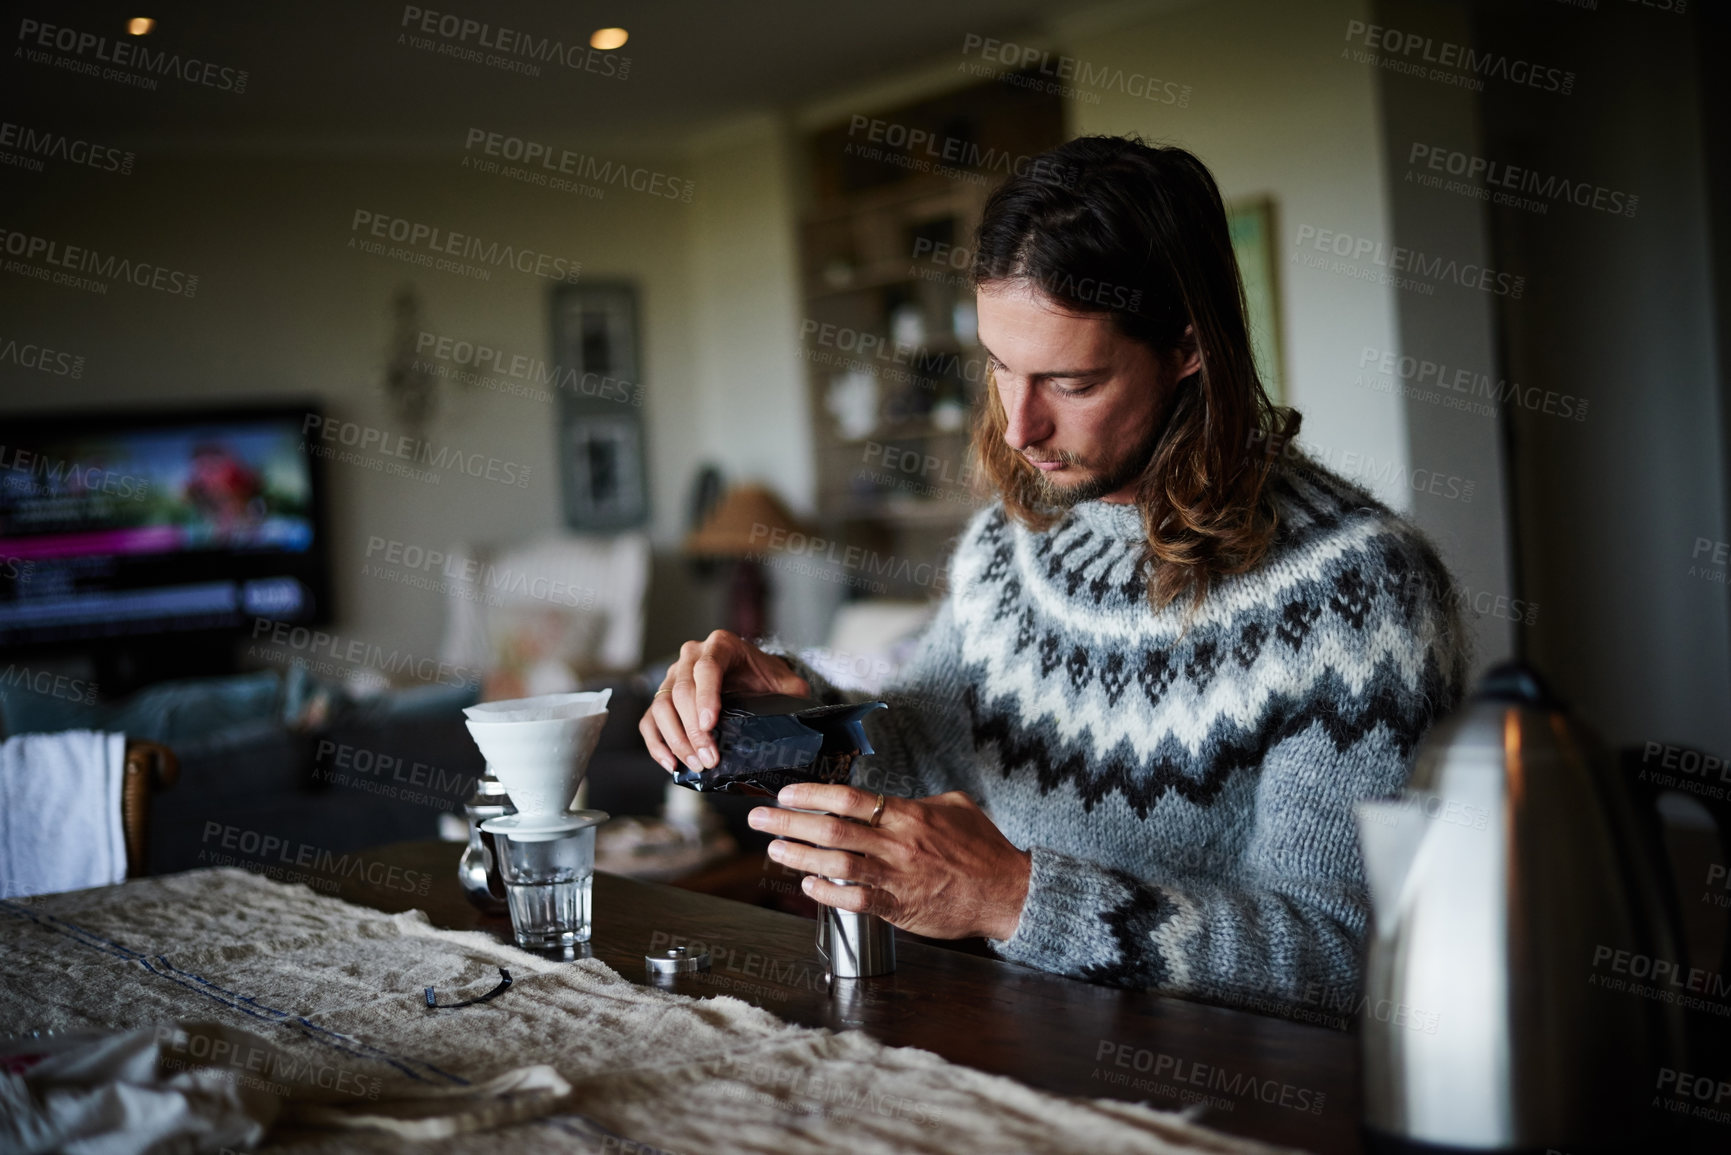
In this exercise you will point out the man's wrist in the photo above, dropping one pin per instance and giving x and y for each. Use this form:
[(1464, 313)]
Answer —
[(1020, 881)]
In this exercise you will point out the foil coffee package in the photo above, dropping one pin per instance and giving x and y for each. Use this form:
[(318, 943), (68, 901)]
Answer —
[(767, 741)]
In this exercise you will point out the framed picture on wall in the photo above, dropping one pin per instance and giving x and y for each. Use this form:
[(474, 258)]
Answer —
[(602, 470), (603, 467), (1251, 224)]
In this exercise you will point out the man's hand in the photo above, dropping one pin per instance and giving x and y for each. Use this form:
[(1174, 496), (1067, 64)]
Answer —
[(680, 722), (935, 866)]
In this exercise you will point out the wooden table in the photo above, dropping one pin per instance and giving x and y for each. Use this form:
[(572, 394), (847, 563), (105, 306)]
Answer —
[(1265, 1078)]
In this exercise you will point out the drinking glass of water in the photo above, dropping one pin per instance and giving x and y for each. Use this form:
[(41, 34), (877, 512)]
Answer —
[(548, 878)]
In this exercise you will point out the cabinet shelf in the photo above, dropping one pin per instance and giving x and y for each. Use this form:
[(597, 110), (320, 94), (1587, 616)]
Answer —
[(901, 431), (936, 344)]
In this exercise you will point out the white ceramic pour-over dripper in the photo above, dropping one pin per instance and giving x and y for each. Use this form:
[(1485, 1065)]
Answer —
[(539, 748)]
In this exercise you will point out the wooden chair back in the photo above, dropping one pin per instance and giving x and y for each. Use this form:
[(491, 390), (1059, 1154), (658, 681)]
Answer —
[(150, 766)]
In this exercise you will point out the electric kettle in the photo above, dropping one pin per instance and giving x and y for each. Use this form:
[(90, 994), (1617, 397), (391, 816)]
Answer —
[(1524, 974)]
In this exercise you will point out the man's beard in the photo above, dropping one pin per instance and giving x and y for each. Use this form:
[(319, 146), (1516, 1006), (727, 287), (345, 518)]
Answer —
[(1058, 496)]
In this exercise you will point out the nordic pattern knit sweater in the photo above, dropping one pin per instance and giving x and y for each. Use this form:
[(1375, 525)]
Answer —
[(1186, 793)]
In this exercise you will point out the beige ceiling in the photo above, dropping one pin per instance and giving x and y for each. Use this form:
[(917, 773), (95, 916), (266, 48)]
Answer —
[(332, 76)]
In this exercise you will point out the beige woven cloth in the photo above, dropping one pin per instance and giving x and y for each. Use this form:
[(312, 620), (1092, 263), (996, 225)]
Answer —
[(340, 988)]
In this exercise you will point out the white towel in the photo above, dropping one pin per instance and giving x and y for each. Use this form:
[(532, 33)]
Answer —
[(207, 1086), (60, 812)]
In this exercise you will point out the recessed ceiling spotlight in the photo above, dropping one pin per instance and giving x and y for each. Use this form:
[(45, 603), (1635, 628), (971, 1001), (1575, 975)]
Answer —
[(607, 39), (140, 25)]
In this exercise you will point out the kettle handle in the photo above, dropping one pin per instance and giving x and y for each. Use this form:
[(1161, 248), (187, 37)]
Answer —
[(1647, 780)]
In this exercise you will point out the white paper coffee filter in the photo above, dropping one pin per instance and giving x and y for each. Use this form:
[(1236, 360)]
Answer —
[(541, 709), (540, 747)]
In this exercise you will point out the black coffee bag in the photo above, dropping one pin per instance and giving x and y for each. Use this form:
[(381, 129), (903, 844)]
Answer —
[(768, 741)]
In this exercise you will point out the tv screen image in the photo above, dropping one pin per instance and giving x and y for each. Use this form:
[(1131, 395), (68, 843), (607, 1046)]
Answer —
[(126, 525)]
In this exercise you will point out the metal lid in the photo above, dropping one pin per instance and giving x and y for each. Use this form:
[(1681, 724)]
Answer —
[(673, 960)]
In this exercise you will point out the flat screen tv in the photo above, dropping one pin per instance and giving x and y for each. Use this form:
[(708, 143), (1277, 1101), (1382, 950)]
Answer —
[(158, 524)]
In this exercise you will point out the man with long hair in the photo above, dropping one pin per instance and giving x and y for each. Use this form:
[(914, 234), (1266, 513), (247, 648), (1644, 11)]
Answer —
[(1173, 653)]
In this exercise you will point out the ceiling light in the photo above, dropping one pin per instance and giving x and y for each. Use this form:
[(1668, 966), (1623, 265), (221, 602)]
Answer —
[(140, 25), (607, 39)]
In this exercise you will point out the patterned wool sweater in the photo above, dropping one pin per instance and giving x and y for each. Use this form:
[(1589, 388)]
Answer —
[(1186, 792)]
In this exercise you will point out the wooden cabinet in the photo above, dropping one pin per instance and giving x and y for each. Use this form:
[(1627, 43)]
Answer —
[(893, 361)]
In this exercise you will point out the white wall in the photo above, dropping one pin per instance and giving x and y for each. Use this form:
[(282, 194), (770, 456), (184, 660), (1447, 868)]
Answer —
[(1273, 111), (284, 307), (753, 415), (1452, 326)]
